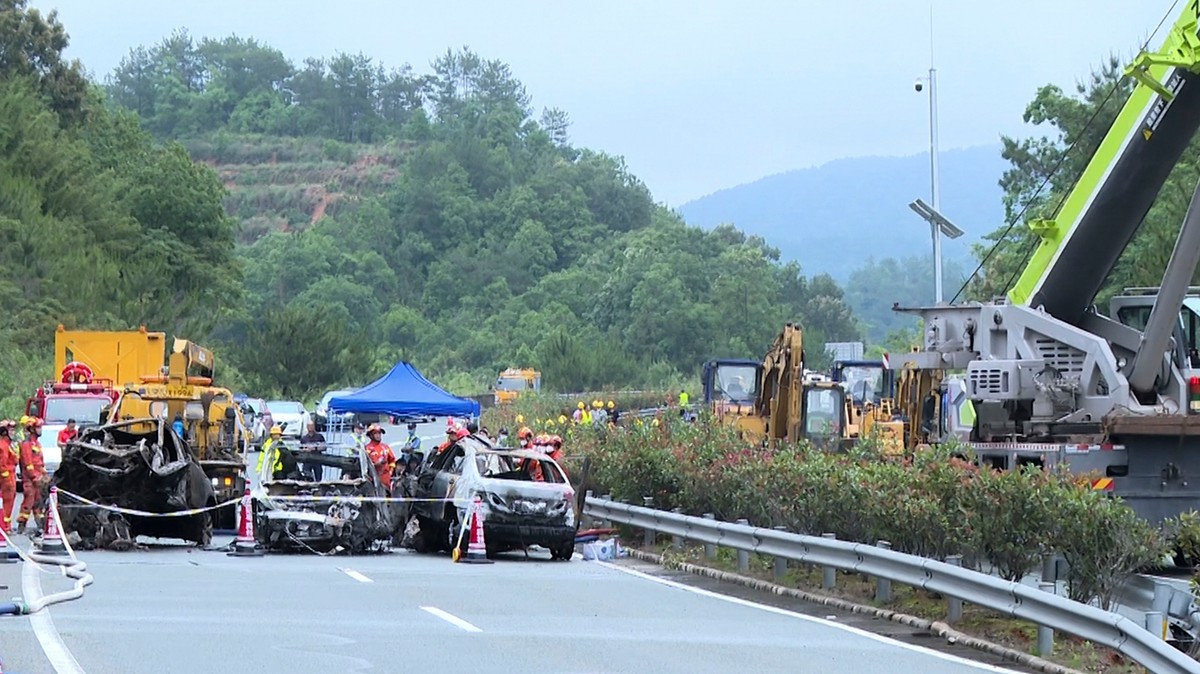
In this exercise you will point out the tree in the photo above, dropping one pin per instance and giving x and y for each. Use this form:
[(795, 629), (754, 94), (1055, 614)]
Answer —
[(297, 356), (32, 46)]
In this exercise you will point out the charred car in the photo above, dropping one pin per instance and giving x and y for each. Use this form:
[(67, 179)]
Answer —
[(526, 498), (138, 464), (335, 513)]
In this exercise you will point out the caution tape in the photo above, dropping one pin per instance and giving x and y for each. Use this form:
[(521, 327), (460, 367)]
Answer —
[(143, 513), (360, 499)]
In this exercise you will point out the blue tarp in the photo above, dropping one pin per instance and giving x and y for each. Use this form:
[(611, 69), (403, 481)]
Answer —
[(404, 392)]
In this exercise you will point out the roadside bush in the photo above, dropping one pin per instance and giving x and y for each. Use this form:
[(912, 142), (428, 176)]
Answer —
[(1183, 537), (933, 504)]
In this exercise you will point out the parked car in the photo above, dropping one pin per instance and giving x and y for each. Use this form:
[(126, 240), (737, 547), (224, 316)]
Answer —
[(321, 414), (289, 412), (519, 511), (330, 514)]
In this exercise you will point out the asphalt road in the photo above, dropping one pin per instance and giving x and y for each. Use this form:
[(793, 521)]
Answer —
[(176, 609)]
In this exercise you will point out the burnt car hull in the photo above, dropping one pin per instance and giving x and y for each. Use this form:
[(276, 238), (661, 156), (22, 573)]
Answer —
[(136, 465), (322, 516)]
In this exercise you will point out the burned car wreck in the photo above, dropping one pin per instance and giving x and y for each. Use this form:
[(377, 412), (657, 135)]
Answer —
[(333, 514), (138, 464), (526, 498)]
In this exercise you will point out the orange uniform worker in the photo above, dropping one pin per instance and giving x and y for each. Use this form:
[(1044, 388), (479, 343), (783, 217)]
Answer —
[(381, 456), (33, 472), (10, 457), (68, 433)]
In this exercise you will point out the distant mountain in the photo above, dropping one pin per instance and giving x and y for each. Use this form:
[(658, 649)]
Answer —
[(833, 217)]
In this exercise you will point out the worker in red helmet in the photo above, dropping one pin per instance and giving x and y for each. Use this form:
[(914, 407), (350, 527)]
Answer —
[(381, 456), (10, 457), (525, 437), (33, 474)]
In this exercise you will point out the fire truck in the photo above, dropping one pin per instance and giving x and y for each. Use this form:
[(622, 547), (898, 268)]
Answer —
[(78, 395)]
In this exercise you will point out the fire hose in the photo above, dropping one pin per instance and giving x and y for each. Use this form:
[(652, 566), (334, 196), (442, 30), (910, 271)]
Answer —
[(69, 566)]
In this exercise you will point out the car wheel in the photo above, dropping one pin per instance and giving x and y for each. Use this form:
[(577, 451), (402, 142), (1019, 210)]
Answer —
[(204, 527), (563, 551)]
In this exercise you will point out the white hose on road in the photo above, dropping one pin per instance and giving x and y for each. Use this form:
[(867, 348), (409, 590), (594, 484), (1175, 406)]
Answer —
[(70, 566)]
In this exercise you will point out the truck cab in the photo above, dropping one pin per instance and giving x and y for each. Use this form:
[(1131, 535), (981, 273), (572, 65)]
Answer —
[(77, 395), (512, 382)]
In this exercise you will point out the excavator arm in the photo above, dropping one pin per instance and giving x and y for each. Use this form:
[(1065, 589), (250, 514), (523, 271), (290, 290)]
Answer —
[(1080, 246)]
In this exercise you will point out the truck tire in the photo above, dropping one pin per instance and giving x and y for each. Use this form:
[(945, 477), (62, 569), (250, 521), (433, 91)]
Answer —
[(204, 529)]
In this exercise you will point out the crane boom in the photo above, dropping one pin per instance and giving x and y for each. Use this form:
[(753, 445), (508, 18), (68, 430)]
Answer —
[(1101, 213)]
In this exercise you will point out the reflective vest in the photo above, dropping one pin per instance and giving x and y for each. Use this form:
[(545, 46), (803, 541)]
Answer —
[(268, 448), (683, 398)]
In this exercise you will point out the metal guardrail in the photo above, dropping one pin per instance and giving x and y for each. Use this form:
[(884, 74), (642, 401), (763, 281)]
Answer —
[(1020, 601)]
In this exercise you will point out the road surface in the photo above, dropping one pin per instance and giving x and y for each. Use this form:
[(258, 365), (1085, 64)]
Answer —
[(176, 609)]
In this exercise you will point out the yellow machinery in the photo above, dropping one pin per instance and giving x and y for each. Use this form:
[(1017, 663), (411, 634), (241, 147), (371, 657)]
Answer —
[(870, 403), (212, 423), (121, 357), (787, 403), (512, 382)]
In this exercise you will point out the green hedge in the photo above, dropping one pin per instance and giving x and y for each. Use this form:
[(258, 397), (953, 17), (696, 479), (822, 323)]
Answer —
[(933, 505)]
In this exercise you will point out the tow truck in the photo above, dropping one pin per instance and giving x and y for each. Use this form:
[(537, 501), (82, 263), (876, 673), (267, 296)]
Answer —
[(213, 426), (1050, 380)]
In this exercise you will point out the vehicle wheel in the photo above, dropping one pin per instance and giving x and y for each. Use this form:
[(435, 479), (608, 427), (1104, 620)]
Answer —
[(204, 528), (422, 541), (563, 551)]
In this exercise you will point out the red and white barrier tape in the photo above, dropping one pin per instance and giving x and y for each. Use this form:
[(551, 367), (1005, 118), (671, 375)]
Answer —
[(143, 513)]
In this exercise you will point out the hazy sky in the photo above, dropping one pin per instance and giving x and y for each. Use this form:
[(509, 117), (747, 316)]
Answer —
[(696, 95)]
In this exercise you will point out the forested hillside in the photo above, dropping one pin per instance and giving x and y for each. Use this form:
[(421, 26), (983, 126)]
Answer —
[(437, 217)]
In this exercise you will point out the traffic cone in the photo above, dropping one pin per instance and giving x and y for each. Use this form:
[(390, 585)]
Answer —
[(245, 545), (52, 542), (477, 549)]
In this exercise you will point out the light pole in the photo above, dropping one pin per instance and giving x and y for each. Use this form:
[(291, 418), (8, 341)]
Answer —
[(933, 173)]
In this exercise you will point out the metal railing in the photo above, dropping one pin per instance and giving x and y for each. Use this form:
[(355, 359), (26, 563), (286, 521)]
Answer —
[(1020, 601)]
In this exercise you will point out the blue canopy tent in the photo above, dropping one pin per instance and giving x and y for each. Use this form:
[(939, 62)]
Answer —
[(404, 392)]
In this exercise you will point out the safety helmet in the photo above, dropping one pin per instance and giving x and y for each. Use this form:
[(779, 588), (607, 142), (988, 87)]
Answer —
[(562, 420), (581, 405), (611, 405), (597, 404), (461, 433), (375, 428), (520, 418), (556, 441), (276, 430), (550, 423), (525, 433), (26, 419)]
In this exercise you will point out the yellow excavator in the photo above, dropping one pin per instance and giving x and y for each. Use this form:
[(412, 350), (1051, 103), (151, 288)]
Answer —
[(785, 402), (871, 410)]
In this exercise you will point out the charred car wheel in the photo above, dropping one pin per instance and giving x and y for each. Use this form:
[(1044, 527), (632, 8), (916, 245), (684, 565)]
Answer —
[(204, 529), (563, 551)]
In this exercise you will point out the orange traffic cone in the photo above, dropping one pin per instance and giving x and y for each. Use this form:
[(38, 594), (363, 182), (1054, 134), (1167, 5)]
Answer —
[(245, 545), (52, 542), (477, 548)]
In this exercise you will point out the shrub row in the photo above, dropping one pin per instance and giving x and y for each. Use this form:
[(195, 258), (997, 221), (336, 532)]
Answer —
[(932, 505)]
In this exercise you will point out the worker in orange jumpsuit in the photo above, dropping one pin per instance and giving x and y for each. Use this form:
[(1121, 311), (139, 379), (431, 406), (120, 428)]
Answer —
[(10, 457), (381, 456), (525, 438), (33, 473)]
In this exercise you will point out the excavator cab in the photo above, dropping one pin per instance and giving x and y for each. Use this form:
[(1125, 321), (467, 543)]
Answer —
[(823, 415)]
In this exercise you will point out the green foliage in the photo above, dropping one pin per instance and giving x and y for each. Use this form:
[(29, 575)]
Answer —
[(31, 47), (931, 505), (469, 237)]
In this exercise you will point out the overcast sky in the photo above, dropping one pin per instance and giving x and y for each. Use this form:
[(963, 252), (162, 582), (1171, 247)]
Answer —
[(696, 95)]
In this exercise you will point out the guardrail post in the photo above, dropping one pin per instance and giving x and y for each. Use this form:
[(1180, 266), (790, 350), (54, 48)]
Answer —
[(829, 573), (954, 605), (649, 534), (781, 563), (676, 539), (883, 586), (1045, 635), (743, 557), (710, 549), (1156, 624)]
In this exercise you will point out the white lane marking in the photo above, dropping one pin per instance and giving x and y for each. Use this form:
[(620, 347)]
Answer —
[(782, 611), (56, 651), (356, 575), (450, 618)]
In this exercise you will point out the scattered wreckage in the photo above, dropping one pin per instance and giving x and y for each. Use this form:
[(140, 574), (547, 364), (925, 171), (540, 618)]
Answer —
[(137, 464), (333, 514), (526, 498)]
